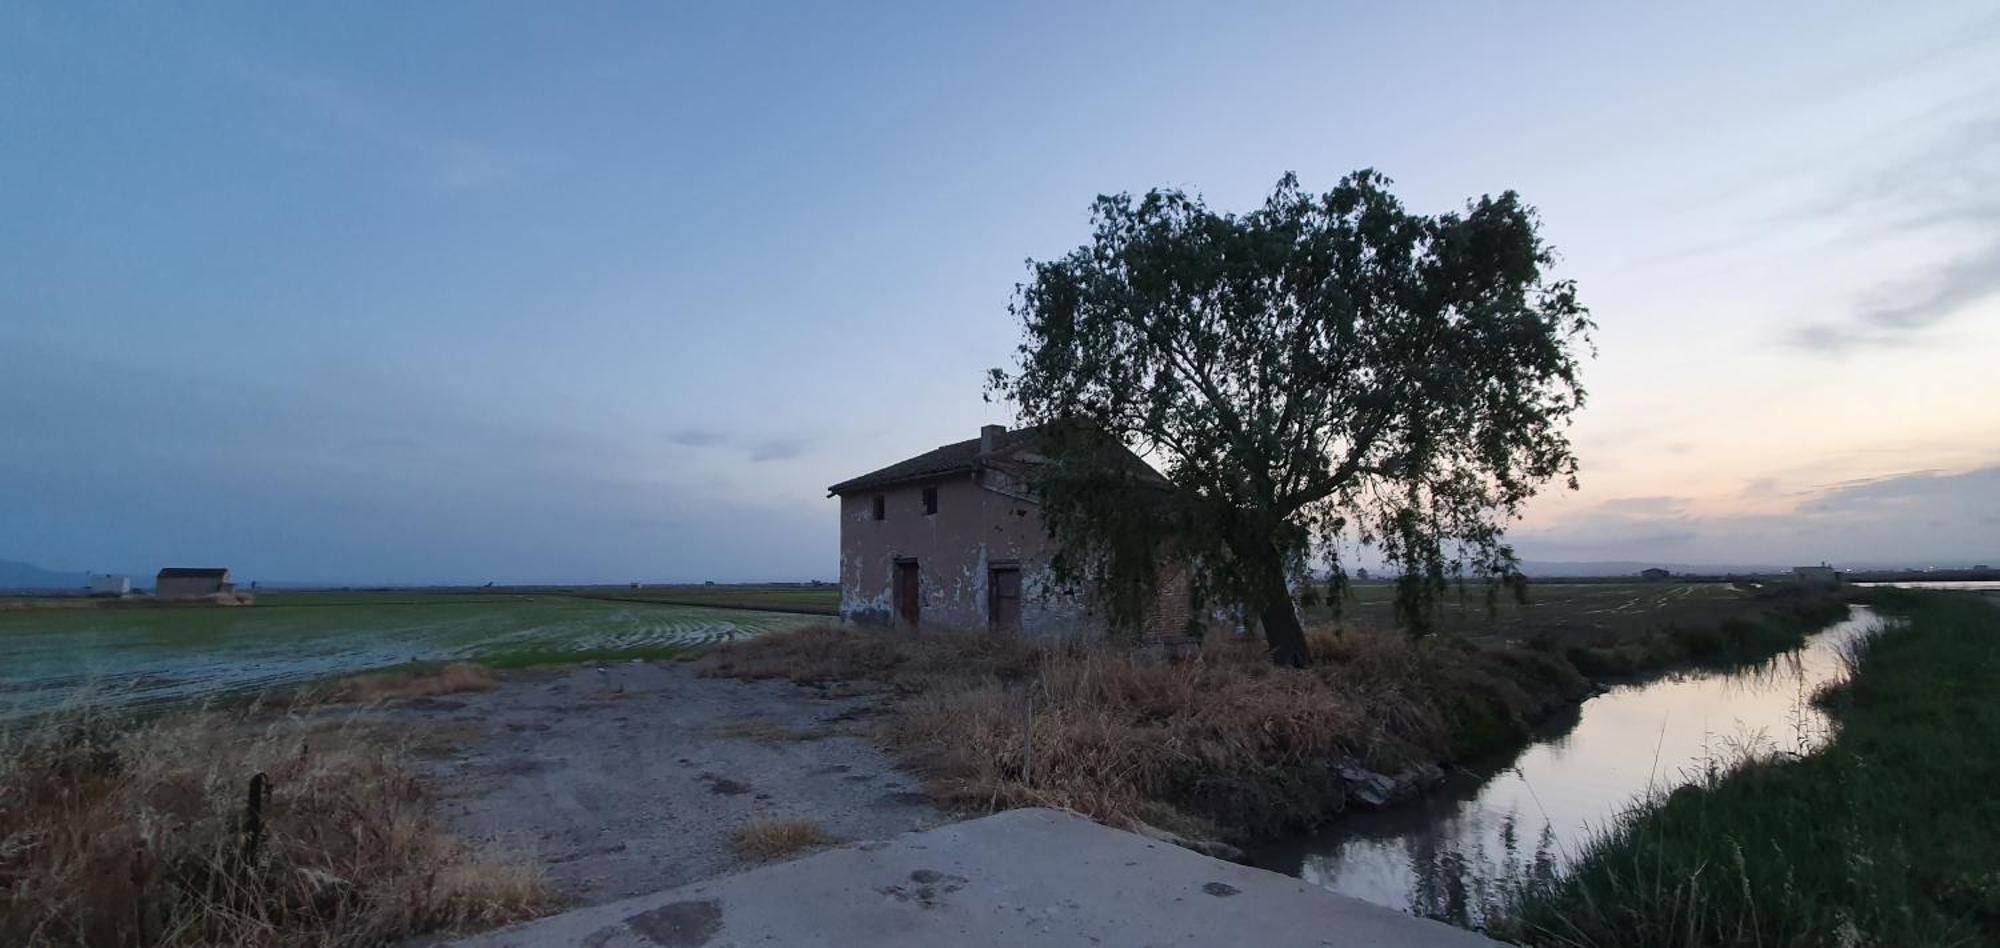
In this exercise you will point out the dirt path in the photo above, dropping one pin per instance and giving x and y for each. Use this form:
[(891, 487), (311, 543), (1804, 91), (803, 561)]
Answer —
[(631, 778)]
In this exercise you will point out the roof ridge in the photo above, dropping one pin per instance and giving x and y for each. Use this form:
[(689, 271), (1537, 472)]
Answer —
[(948, 458)]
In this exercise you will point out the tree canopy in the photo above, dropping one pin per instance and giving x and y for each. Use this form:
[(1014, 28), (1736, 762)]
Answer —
[(1325, 373)]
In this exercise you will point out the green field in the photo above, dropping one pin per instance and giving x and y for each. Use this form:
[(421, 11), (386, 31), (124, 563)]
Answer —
[(1577, 610), (53, 657), (125, 653), (823, 600)]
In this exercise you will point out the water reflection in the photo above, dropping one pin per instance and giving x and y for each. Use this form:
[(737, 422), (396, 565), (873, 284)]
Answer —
[(1457, 852)]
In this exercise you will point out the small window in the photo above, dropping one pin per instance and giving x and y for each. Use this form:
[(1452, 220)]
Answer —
[(930, 500), (881, 508)]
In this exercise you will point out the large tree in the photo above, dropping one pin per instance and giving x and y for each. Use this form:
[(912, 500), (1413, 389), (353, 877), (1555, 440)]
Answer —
[(1324, 374)]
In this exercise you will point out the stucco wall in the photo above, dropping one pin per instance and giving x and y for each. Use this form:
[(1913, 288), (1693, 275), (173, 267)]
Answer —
[(976, 527), (983, 520)]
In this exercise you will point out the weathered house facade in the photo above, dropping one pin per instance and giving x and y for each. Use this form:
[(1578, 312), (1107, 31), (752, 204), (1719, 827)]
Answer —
[(953, 539), (182, 582)]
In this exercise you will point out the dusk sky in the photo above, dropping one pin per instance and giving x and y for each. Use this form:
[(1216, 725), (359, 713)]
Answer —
[(534, 292)]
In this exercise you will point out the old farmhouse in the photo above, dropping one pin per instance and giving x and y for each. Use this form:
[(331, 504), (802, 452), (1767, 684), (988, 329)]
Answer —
[(953, 538)]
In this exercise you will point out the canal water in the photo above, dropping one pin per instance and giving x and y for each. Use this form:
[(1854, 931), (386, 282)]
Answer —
[(1455, 853)]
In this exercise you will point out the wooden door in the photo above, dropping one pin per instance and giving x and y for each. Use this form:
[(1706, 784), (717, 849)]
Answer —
[(908, 604), (1003, 594)]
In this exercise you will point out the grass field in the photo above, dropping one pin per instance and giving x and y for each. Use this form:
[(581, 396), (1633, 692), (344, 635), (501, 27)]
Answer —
[(137, 654), (1611, 629), (1571, 610), (115, 656), (822, 600)]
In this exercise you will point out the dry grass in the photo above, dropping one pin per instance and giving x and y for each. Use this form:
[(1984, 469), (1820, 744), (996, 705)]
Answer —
[(416, 681), (116, 832), (766, 840), (1214, 742), (910, 661)]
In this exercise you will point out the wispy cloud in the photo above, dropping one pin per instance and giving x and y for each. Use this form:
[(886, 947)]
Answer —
[(695, 437), (1928, 492), (777, 449), (1646, 506), (781, 447), (1913, 516), (1898, 316), (1948, 187)]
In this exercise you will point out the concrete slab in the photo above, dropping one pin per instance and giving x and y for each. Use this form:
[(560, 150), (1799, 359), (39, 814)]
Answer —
[(1023, 876)]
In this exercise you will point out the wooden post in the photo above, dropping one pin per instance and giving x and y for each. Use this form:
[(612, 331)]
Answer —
[(253, 815), (1028, 737)]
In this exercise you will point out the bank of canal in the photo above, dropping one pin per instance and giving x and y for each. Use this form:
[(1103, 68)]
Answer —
[(1450, 854)]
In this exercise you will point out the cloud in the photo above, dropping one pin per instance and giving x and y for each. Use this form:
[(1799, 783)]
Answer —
[(1913, 517), (777, 449), (782, 447), (1896, 318), (1642, 506), (1966, 281), (1947, 186), (695, 437), (1917, 492), (1762, 487), (1656, 525), (359, 478)]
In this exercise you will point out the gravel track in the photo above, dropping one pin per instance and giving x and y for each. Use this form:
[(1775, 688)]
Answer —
[(630, 778)]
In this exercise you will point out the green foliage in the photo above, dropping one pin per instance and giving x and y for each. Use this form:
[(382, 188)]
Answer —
[(1889, 836), (1325, 371)]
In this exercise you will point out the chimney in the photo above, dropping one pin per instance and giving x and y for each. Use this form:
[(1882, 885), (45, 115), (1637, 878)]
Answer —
[(989, 437)]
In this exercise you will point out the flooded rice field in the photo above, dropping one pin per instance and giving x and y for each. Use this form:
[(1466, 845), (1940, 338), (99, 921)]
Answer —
[(1453, 853), (57, 657)]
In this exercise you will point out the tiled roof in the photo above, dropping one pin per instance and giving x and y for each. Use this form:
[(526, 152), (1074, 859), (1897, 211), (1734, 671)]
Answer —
[(192, 572), (964, 456), (948, 459)]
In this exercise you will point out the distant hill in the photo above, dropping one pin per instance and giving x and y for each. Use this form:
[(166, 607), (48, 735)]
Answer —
[(18, 575)]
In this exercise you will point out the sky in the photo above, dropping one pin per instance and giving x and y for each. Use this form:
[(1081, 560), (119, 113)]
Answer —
[(525, 292)]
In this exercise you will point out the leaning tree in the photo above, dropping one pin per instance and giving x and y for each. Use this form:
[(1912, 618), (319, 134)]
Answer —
[(1324, 374)]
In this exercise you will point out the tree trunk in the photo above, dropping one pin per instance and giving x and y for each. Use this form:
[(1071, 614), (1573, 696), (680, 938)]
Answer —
[(1283, 633), (1275, 611)]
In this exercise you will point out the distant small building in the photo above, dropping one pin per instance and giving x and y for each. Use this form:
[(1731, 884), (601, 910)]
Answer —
[(1655, 575), (182, 582), (108, 585), (1821, 575)]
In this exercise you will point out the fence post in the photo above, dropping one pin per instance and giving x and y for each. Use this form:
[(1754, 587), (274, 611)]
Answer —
[(253, 815), (1028, 737)]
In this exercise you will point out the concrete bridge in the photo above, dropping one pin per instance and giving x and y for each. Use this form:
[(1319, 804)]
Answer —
[(1023, 876)]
